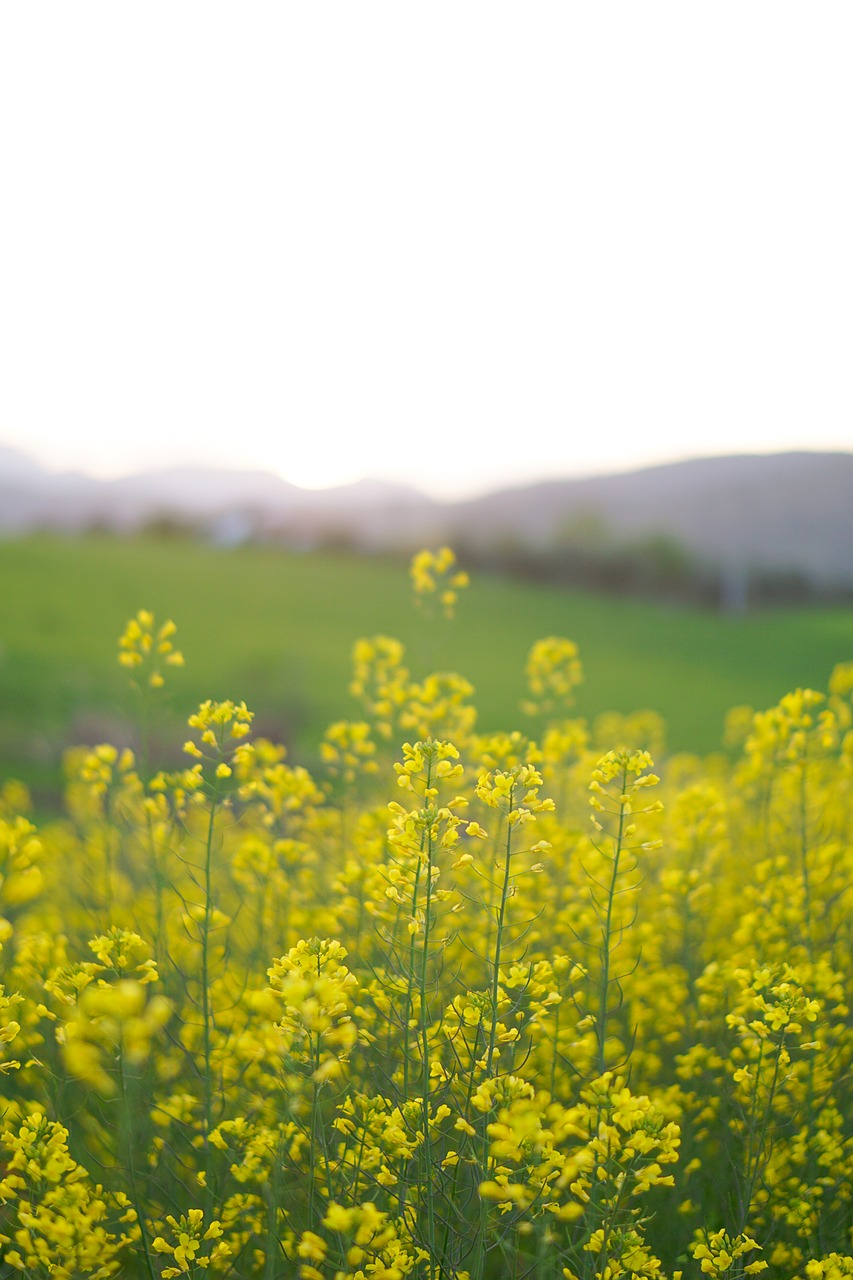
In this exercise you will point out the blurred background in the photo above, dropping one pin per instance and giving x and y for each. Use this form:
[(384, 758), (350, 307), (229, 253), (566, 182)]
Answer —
[(290, 292)]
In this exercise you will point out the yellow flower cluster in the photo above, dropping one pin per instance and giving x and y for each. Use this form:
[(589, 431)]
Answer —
[(348, 750), (21, 876), (412, 1014), (718, 1252), (435, 576), (316, 990), (112, 1022), (149, 651), (221, 728), (515, 790), (55, 1221), (380, 681), (188, 1239), (554, 671)]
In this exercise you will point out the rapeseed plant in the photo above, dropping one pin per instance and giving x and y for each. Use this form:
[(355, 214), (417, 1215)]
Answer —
[(416, 1014), (435, 578)]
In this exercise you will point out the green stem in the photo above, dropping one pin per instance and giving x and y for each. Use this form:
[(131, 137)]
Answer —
[(556, 1054), (425, 1077), (755, 1146), (127, 1125), (315, 1109), (410, 979), (273, 1192), (606, 932), (206, 1003), (804, 864), (482, 1228), (466, 1112), (499, 941)]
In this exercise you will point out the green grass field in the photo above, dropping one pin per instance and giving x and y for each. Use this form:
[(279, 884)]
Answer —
[(277, 629)]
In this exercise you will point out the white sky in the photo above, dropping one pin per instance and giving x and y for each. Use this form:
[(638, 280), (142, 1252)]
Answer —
[(458, 244)]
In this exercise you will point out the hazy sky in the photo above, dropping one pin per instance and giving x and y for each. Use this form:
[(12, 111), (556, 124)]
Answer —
[(452, 243)]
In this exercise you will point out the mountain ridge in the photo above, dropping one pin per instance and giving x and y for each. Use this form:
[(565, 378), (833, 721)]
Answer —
[(789, 510)]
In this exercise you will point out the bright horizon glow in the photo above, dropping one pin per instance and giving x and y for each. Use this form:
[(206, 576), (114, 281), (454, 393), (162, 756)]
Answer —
[(468, 487), (458, 247)]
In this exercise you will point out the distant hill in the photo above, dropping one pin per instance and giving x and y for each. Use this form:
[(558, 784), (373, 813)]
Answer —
[(33, 498), (779, 511), (787, 511)]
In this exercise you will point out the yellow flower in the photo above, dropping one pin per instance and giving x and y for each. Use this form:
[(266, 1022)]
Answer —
[(140, 647)]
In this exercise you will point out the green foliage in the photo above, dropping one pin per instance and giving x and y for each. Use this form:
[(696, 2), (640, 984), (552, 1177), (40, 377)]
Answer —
[(275, 628)]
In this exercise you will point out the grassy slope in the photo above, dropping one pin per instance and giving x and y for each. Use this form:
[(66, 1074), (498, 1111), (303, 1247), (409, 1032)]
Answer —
[(277, 629)]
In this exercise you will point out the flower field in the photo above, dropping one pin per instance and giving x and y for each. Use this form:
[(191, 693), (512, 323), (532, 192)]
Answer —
[(541, 1003)]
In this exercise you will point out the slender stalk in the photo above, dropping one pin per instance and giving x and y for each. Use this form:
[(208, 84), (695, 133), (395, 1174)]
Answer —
[(756, 1144), (556, 1053), (482, 1227), (410, 979), (424, 1035), (127, 1127), (272, 1193), (465, 1111), (315, 1117), (606, 933), (206, 1003), (591, 1263), (496, 963), (804, 864)]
